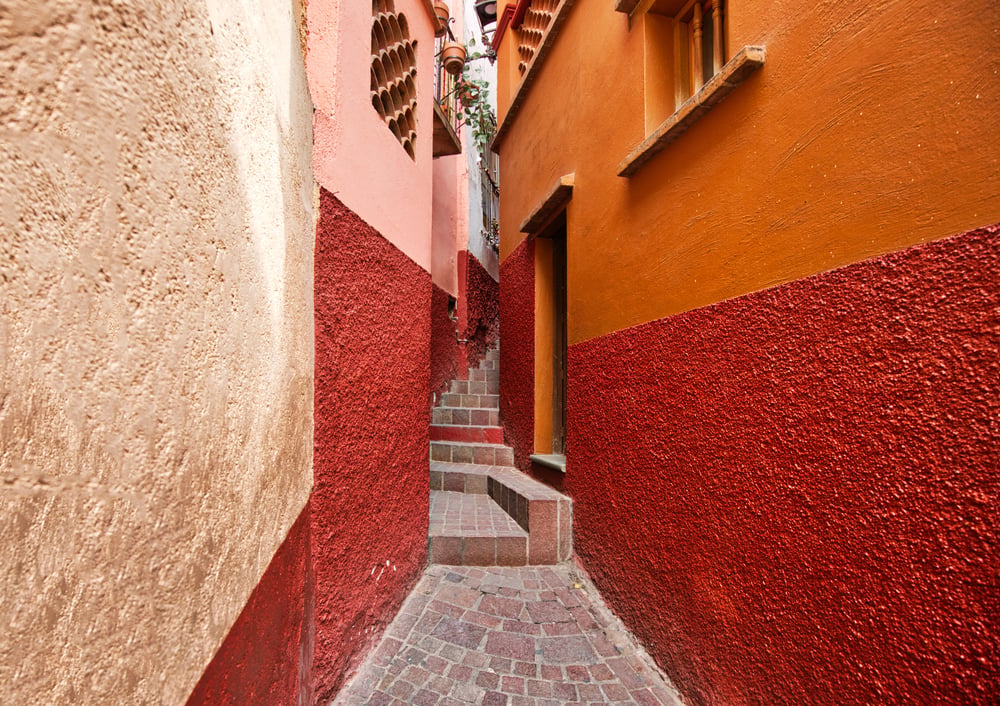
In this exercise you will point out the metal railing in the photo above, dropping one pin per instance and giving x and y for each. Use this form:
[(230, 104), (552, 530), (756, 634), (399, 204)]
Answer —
[(446, 86), (489, 168)]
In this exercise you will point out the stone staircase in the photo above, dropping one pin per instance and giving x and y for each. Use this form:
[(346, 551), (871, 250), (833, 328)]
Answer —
[(483, 511)]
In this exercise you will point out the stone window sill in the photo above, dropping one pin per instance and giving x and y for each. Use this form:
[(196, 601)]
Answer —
[(736, 71), (556, 462)]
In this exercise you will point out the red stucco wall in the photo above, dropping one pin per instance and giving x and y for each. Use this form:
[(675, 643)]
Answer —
[(267, 656), (370, 498), (444, 343), (478, 309), (517, 351), (792, 496)]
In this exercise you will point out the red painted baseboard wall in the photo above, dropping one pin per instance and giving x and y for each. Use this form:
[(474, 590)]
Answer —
[(792, 497), (478, 309), (517, 351), (445, 355), (267, 656), (371, 488)]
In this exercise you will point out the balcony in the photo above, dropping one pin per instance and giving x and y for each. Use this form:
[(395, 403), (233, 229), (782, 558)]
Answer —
[(447, 109)]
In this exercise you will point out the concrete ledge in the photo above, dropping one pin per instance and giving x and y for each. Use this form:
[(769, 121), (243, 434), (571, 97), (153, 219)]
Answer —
[(736, 71), (551, 204), (546, 514), (556, 462)]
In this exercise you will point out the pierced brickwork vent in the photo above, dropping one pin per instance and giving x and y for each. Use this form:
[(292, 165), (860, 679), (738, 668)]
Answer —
[(394, 73), (536, 21)]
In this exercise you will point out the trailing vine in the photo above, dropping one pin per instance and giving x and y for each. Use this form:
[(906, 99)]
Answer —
[(474, 99)]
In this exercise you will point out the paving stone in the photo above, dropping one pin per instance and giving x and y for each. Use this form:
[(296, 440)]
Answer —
[(548, 612), (505, 607), (526, 669), (568, 649), (458, 632), (551, 672), (464, 637), (425, 697), (504, 644), (487, 680)]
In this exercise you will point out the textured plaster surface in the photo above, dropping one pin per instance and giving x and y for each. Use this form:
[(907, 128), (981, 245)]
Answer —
[(444, 343), (850, 142), (267, 656), (478, 309), (792, 497), (517, 359), (449, 209), (356, 156), (156, 234), (370, 503)]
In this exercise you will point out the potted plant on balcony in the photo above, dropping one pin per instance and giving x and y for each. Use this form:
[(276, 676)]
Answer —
[(442, 13), (474, 98), (453, 57)]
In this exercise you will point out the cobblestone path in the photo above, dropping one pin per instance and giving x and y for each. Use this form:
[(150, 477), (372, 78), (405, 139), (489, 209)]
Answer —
[(528, 636)]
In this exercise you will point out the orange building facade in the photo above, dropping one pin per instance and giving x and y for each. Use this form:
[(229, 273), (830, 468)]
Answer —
[(748, 264)]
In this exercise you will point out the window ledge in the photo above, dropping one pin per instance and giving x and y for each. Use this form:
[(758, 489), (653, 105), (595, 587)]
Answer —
[(736, 71), (556, 462)]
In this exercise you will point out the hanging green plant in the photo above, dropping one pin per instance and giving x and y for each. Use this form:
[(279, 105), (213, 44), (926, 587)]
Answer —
[(474, 99)]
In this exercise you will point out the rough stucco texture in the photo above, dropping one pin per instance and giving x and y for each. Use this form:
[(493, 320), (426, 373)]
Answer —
[(479, 309), (156, 232), (370, 502), (267, 656), (792, 497), (444, 342), (517, 351)]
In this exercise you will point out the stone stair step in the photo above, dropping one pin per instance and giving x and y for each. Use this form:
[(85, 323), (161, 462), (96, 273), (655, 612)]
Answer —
[(463, 452), (459, 477), (466, 416), (467, 433), (475, 387), (488, 376), (453, 399), (544, 513), (472, 530)]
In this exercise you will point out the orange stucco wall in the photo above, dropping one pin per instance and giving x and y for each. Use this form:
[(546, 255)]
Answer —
[(871, 127)]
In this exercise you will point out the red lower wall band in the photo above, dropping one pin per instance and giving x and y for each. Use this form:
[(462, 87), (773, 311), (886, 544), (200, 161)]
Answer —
[(792, 497), (371, 488), (478, 309), (517, 351), (445, 358), (267, 656)]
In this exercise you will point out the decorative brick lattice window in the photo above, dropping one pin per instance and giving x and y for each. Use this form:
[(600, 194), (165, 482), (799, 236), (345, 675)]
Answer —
[(532, 31), (394, 73)]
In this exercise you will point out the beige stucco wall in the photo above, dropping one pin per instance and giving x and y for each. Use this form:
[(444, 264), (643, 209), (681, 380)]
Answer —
[(156, 232)]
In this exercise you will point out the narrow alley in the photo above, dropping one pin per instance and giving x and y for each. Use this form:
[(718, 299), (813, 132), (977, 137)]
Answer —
[(528, 636), (499, 352)]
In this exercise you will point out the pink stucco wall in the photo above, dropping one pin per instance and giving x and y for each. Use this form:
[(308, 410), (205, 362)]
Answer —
[(355, 155)]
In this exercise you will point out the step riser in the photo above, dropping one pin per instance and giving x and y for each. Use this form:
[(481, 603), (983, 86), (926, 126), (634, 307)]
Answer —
[(471, 453), (475, 387), (548, 522), (470, 483), (478, 551), (451, 399), (484, 375), (467, 434), (462, 416), (545, 514)]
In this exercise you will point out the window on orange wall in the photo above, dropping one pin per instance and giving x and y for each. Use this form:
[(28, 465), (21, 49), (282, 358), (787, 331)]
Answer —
[(699, 50)]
